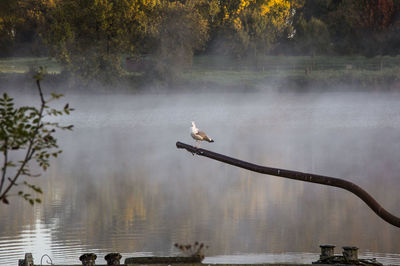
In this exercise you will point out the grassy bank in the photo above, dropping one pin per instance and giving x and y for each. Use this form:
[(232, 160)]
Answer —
[(387, 79), (25, 64), (299, 72)]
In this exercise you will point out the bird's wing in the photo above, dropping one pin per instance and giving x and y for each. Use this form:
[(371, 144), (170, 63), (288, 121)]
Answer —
[(197, 137), (203, 135)]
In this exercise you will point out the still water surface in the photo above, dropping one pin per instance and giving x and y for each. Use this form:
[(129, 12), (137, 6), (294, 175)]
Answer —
[(121, 184)]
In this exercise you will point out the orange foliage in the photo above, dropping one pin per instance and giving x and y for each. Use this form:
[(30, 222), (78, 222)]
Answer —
[(377, 14)]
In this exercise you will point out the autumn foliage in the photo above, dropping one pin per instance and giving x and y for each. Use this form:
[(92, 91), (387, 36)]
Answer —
[(92, 38)]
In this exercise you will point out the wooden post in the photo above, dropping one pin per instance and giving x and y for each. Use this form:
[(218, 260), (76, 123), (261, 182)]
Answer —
[(28, 261), (88, 259), (113, 258), (326, 251), (350, 254)]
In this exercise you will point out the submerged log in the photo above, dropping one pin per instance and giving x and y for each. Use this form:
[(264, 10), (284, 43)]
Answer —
[(163, 260), (306, 177)]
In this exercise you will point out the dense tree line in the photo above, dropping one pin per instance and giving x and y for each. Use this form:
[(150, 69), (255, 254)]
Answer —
[(357, 27), (93, 37)]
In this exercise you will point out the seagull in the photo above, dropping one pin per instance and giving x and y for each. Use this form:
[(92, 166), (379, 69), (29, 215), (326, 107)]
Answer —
[(199, 135)]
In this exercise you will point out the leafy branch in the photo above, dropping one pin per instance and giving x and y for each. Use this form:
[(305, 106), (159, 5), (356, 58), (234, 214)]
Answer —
[(23, 130)]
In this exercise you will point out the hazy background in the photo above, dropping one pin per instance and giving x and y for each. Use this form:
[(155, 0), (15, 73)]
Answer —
[(122, 185), (306, 85)]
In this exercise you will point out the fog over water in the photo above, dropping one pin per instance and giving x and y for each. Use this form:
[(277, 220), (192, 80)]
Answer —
[(122, 185)]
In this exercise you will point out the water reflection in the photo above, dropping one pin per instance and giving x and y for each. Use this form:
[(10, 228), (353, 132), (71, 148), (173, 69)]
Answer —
[(121, 184)]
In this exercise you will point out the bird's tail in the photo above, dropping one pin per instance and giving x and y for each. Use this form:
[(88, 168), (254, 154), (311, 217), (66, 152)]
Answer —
[(207, 138)]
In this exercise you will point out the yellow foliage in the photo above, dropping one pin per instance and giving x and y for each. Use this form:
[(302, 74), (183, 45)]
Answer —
[(243, 5), (226, 13), (151, 3), (51, 3), (259, 22), (282, 6), (277, 12), (237, 23)]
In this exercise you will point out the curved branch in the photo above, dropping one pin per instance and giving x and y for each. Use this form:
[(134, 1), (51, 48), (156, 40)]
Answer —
[(319, 179)]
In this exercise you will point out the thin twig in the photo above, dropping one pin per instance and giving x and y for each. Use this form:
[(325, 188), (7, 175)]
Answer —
[(4, 170), (40, 92)]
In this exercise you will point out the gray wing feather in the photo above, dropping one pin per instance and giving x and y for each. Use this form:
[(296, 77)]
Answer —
[(203, 136)]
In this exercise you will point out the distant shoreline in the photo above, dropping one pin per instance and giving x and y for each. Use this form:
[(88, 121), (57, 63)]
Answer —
[(215, 73)]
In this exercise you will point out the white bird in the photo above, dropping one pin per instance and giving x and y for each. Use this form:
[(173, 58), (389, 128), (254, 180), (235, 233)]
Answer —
[(199, 135)]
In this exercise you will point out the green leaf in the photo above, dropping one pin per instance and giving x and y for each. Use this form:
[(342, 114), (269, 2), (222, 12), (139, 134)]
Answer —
[(11, 164), (56, 96)]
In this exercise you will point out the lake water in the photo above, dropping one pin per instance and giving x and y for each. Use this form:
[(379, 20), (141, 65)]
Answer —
[(121, 185)]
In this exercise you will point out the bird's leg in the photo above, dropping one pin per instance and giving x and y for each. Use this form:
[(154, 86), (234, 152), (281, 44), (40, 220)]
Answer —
[(197, 144)]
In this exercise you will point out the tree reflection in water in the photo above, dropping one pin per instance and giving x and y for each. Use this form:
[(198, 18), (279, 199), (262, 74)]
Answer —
[(121, 184)]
